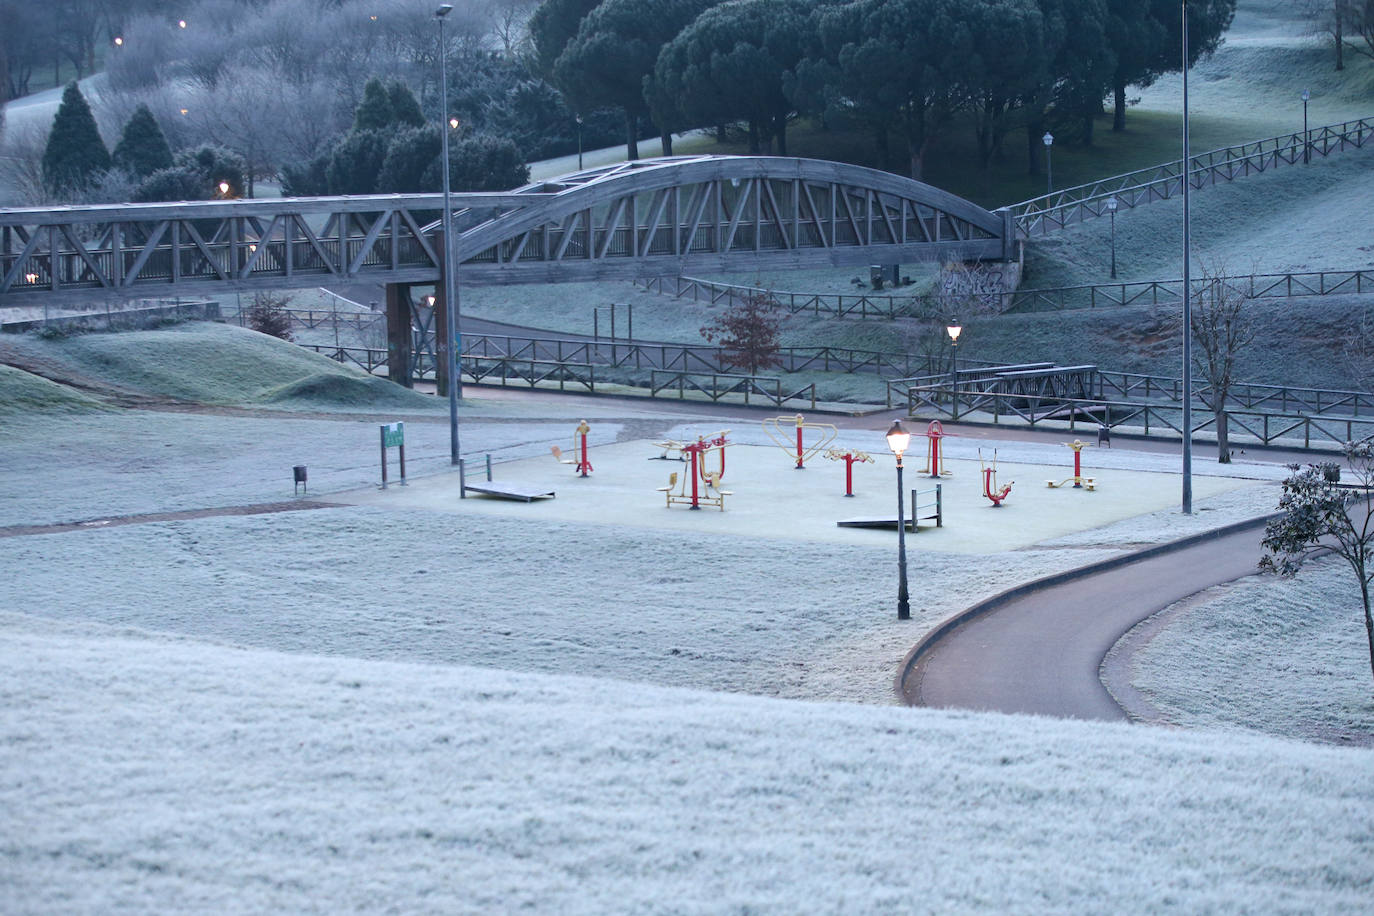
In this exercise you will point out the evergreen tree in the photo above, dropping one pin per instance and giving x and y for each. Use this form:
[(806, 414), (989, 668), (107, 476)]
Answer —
[(405, 110), (356, 161), (217, 165), (409, 157), (374, 111), (75, 155), (482, 163), (142, 148)]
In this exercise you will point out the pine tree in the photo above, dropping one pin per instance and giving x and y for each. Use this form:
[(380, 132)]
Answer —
[(75, 156), (142, 148), (374, 111), (405, 110)]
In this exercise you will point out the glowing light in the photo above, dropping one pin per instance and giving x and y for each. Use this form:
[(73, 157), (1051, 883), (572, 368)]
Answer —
[(119, 41), (181, 23), (453, 123), (32, 278), (183, 111), (224, 187)]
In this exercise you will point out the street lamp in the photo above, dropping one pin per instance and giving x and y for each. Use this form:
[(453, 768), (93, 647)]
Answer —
[(579, 142), (454, 342), (897, 440), (1187, 288), (1049, 162), (1111, 208), (953, 330), (223, 188), (1306, 138)]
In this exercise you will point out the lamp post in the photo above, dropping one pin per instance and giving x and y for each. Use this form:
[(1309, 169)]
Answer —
[(1306, 138), (1187, 290), (1049, 162), (579, 142), (897, 440), (1111, 208), (454, 342), (953, 329)]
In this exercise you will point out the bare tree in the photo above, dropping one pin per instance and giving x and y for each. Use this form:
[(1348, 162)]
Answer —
[(1330, 17), (1319, 515), (1221, 329)]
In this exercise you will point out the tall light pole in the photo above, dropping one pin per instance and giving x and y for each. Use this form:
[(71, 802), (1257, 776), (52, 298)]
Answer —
[(1187, 291), (579, 142), (454, 342), (1049, 162), (1306, 138), (1111, 208), (953, 329), (897, 440)]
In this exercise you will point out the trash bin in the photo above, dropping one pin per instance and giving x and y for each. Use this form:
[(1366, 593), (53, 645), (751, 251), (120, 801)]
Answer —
[(875, 276), (298, 475), (1104, 436)]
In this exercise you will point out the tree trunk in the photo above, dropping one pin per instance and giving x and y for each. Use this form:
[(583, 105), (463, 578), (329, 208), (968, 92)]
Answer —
[(1368, 620), (1034, 131), (882, 142), (1088, 125), (1340, 39), (780, 121), (755, 144), (631, 136), (1119, 107), (666, 140), (1223, 439)]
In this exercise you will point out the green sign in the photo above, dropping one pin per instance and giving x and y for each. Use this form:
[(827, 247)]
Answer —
[(393, 435)]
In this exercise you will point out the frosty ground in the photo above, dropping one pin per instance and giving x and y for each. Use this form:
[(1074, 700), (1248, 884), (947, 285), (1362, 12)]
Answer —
[(572, 707)]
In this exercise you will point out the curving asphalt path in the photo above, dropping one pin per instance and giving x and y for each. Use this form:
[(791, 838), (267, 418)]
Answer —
[(1038, 648)]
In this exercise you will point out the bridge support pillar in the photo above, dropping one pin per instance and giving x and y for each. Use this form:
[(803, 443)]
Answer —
[(399, 355)]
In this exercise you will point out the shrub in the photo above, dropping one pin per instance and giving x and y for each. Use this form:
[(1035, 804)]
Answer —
[(268, 315)]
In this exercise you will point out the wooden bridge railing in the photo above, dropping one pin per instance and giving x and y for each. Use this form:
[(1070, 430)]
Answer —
[(1053, 212)]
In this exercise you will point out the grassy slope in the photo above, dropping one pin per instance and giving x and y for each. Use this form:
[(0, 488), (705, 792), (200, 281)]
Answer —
[(23, 393), (205, 363)]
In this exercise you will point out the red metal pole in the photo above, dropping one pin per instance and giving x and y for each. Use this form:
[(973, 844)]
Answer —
[(799, 441), (695, 450)]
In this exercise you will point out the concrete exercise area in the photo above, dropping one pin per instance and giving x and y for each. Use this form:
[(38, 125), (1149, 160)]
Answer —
[(772, 499)]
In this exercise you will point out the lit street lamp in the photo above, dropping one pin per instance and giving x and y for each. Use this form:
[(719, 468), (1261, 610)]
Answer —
[(953, 330), (1306, 137), (1049, 162), (897, 440), (1111, 208), (450, 280), (579, 142)]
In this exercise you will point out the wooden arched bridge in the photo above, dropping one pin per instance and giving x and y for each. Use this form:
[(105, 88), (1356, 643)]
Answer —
[(648, 218)]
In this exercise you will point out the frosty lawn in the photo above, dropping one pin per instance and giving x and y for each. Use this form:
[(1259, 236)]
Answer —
[(389, 705), (166, 775)]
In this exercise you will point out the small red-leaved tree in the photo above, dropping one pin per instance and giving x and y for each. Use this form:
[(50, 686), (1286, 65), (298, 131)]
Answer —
[(748, 334), (1319, 514)]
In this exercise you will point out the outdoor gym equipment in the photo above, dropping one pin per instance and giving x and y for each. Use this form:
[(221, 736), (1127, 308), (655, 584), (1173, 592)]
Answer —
[(583, 463), (935, 455), (990, 489), (1079, 481), (705, 485), (848, 456), (514, 491), (773, 426)]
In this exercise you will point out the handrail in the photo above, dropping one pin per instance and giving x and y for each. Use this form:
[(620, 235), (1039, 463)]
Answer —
[(1054, 211)]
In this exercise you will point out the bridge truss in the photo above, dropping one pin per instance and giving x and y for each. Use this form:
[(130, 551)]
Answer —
[(653, 217)]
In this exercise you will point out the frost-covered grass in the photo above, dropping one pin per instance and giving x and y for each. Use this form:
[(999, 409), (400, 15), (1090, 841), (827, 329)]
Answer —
[(147, 774), (431, 710), (26, 393), (1290, 660)]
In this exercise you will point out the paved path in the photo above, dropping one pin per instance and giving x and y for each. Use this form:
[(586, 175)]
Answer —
[(1040, 652)]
